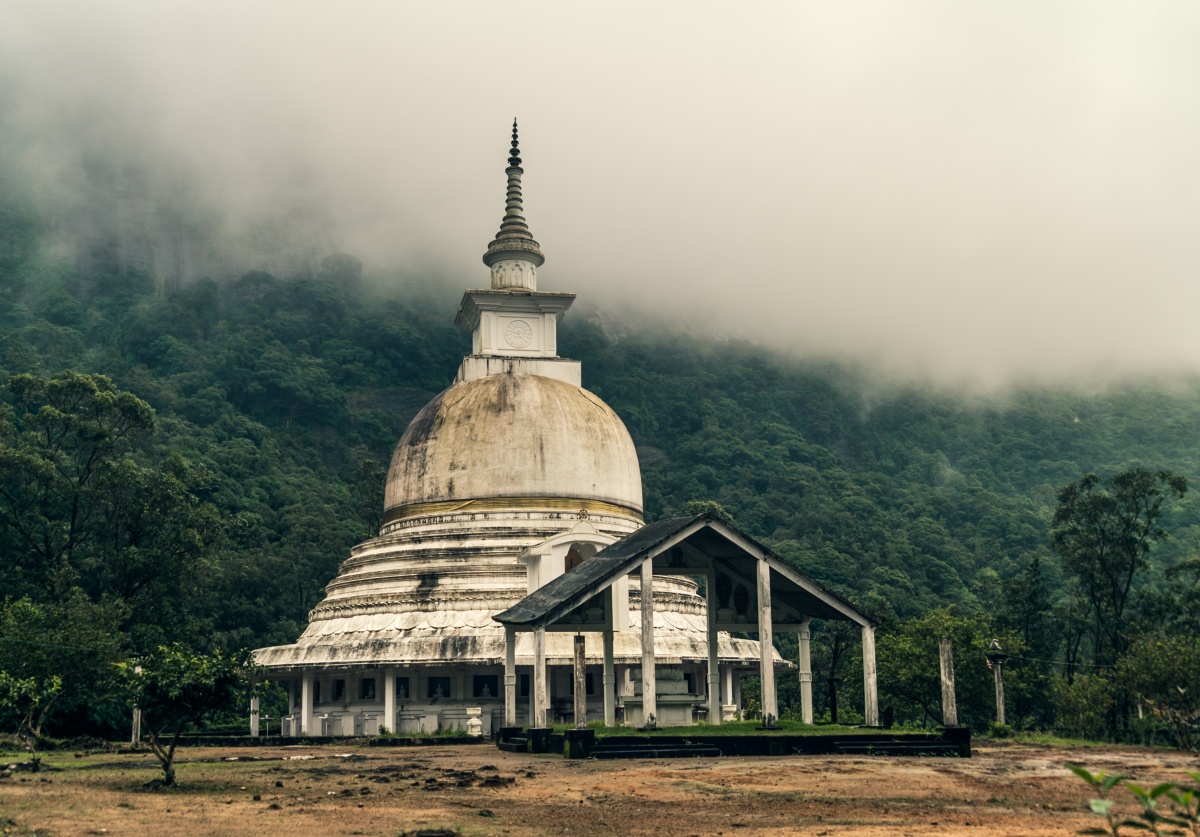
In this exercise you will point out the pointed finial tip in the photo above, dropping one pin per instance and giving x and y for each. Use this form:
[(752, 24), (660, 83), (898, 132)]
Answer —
[(513, 242), (514, 155)]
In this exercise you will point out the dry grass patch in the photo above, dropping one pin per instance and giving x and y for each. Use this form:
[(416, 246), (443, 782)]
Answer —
[(473, 790)]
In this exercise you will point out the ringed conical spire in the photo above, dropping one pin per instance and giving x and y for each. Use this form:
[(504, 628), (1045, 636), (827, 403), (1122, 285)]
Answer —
[(513, 255)]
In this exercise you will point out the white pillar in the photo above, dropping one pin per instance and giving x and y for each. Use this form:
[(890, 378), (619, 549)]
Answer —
[(949, 699), (727, 685), (766, 667), (610, 679), (541, 695), (870, 684), (806, 703), (389, 699), (649, 696), (254, 716), (135, 737), (510, 676), (306, 704), (714, 667)]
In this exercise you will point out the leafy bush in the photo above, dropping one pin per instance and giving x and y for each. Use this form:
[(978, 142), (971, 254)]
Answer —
[(1182, 816), (1082, 705), (1000, 731)]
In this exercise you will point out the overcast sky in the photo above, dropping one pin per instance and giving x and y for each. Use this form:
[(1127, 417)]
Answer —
[(980, 190)]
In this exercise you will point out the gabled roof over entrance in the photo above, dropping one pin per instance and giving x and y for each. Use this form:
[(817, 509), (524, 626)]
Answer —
[(701, 545)]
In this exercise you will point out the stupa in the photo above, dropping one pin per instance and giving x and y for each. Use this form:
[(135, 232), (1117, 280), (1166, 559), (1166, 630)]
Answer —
[(503, 482)]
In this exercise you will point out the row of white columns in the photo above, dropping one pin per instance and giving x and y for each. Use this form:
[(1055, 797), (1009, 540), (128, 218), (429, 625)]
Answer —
[(306, 703), (770, 706)]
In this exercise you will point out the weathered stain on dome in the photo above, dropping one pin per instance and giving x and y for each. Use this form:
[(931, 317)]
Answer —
[(515, 436)]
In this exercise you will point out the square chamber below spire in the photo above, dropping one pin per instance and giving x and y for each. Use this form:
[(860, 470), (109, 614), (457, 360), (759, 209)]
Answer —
[(513, 324)]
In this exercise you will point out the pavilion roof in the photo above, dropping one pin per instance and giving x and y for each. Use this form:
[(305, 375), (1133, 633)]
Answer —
[(706, 541)]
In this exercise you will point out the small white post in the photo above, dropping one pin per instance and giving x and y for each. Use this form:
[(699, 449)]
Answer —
[(510, 676), (541, 695), (136, 735), (649, 695), (870, 683), (806, 696), (766, 647), (714, 667)]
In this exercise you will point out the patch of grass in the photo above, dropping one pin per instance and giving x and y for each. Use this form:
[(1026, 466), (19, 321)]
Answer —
[(1051, 740)]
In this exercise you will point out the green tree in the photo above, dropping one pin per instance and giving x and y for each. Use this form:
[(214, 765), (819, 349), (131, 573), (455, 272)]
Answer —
[(30, 700), (1184, 590), (367, 488), (60, 439), (176, 688), (1162, 672), (79, 512), (833, 646), (1103, 531), (73, 643)]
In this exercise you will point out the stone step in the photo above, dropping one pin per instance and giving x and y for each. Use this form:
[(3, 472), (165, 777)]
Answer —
[(514, 745), (897, 748)]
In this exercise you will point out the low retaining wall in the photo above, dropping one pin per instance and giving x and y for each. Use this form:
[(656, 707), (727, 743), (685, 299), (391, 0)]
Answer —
[(579, 743), (202, 739)]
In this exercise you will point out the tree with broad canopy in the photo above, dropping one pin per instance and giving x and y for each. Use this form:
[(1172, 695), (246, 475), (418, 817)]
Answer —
[(175, 688)]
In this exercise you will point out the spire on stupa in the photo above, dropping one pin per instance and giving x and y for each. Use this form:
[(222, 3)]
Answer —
[(513, 255)]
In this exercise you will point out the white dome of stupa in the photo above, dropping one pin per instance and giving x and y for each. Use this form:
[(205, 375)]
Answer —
[(528, 439)]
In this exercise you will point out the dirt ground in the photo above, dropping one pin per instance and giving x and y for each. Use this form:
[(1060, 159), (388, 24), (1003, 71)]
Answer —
[(1006, 789)]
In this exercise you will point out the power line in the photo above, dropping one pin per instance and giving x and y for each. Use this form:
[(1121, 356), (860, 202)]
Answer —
[(48, 644), (1061, 663)]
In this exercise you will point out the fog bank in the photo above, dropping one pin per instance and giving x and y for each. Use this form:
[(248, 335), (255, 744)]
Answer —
[(980, 192)]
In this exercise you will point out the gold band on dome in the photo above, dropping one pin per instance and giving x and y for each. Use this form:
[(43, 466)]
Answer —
[(487, 504)]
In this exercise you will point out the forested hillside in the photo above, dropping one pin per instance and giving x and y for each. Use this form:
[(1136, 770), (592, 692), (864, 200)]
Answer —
[(276, 402)]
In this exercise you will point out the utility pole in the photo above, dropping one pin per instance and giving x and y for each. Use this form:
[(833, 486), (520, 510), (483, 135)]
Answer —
[(996, 658)]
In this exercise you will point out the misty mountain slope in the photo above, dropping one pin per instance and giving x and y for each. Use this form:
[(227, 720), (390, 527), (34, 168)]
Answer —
[(287, 390), (903, 491)]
